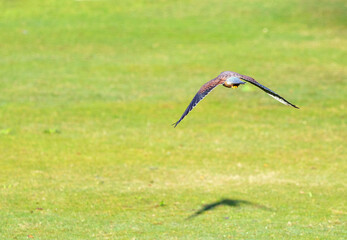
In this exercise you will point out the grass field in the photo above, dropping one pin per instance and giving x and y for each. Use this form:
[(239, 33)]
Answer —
[(89, 89)]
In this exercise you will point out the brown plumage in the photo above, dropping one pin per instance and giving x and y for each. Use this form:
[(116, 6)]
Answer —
[(228, 79)]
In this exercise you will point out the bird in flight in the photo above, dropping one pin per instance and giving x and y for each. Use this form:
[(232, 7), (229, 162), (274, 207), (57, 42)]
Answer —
[(230, 80)]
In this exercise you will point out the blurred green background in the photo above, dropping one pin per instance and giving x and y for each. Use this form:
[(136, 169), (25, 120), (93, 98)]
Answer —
[(89, 89)]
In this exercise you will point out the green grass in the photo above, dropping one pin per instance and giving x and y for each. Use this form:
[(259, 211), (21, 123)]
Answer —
[(88, 90)]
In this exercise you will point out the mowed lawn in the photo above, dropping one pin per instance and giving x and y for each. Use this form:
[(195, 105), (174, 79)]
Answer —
[(88, 93)]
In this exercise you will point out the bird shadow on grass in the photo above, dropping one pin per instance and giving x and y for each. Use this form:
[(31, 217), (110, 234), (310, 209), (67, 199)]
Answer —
[(227, 202)]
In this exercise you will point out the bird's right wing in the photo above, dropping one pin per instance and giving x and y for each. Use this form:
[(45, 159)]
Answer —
[(267, 90), (201, 94)]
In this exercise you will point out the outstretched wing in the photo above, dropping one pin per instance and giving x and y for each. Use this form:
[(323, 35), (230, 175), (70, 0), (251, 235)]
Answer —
[(204, 90), (267, 90)]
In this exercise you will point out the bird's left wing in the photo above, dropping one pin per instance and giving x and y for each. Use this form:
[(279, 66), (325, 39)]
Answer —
[(204, 90), (267, 90)]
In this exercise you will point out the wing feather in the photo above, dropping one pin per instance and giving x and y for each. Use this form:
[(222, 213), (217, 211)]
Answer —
[(267, 90), (201, 94)]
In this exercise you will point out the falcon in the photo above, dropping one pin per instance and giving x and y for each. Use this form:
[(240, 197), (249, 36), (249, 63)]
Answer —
[(230, 80)]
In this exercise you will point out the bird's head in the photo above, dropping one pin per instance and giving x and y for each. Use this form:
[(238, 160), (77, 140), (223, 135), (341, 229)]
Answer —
[(234, 82)]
